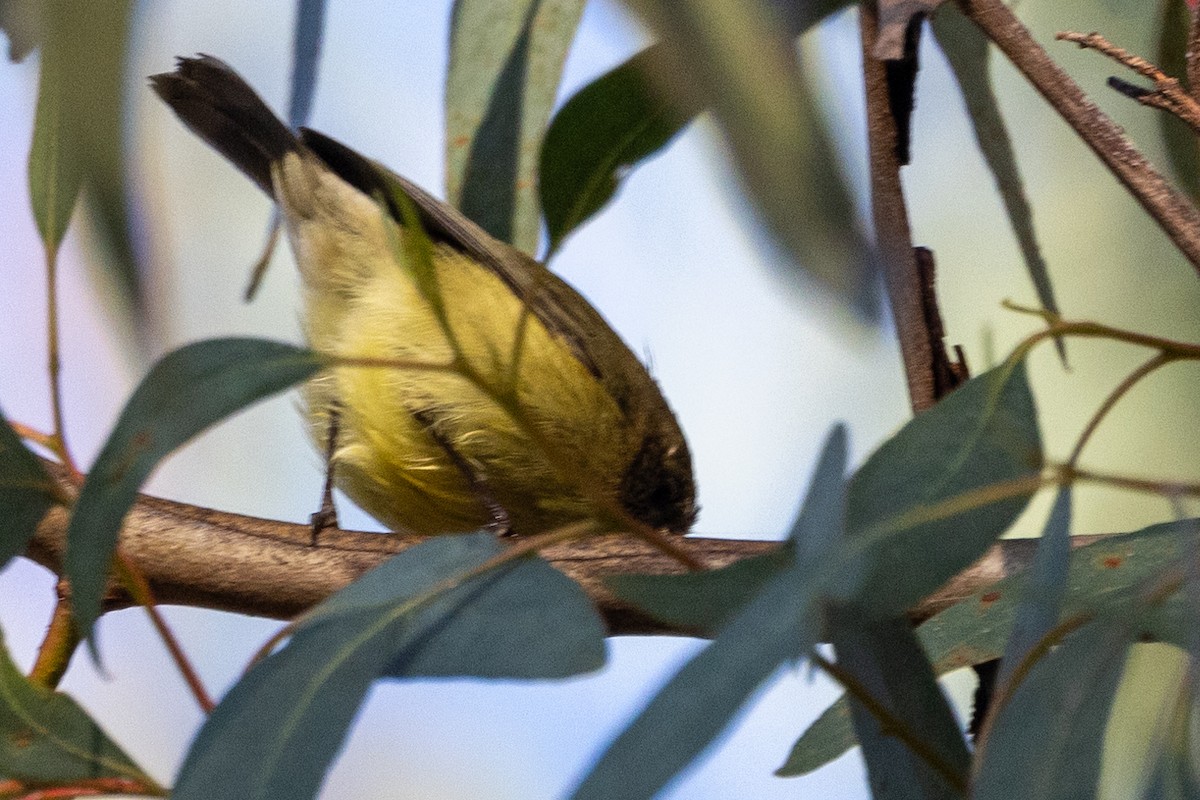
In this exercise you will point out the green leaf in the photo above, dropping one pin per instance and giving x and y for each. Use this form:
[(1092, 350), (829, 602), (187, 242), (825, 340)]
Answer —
[(307, 36), (26, 494), (701, 601), (738, 59), (532, 623), (47, 739), (604, 130), (1046, 742), (420, 613), (966, 49), (55, 171), (1175, 775), (506, 60), (21, 21), (830, 735), (936, 495), (886, 658), (781, 623), (704, 601), (1105, 577), (1046, 584), (1182, 143), (187, 391), (85, 43)]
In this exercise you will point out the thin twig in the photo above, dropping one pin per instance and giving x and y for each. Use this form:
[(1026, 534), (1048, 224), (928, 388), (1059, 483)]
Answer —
[(58, 439), (1192, 54), (1170, 209), (58, 645), (1113, 398), (139, 588), (1168, 93)]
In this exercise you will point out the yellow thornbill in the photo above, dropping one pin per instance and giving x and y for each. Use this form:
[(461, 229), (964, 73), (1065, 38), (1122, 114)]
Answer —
[(518, 392)]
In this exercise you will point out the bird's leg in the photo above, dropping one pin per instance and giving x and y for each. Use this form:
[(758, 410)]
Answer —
[(326, 516)]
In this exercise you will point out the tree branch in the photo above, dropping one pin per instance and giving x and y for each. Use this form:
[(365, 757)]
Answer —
[(890, 212), (1174, 214), (212, 559)]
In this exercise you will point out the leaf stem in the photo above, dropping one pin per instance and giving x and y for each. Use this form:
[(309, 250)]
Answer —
[(58, 645), (890, 723), (139, 588), (58, 439), (1113, 398)]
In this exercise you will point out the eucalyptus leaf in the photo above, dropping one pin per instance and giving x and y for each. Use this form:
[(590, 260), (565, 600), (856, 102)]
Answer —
[(47, 739), (55, 168), (21, 21), (26, 493), (925, 505), (85, 44), (1046, 742), (187, 391), (738, 60), (604, 130), (432, 610), (780, 624), (966, 49), (827, 738), (506, 59), (621, 119), (1104, 577), (1182, 143), (307, 37), (889, 663), (704, 601), (1046, 585)]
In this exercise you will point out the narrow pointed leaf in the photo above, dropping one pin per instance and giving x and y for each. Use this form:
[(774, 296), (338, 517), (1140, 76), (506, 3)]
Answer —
[(275, 733), (701, 601), (506, 59), (187, 391), (307, 37), (46, 738), (886, 658), (700, 701), (1105, 577), (26, 494), (21, 22), (933, 498), (1176, 776), (1182, 143), (704, 601), (966, 48), (1046, 742), (738, 59), (604, 130), (830, 735), (87, 43), (618, 121), (780, 624), (1045, 587), (55, 171)]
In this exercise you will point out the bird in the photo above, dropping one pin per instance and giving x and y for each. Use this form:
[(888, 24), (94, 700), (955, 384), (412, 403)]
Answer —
[(487, 390)]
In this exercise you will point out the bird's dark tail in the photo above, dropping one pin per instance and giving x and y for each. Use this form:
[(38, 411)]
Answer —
[(222, 109)]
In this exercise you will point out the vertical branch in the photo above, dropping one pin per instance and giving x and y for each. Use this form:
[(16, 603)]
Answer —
[(1174, 214), (890, 214)]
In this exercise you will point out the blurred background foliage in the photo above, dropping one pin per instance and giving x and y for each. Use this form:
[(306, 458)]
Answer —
[(757, 358)]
